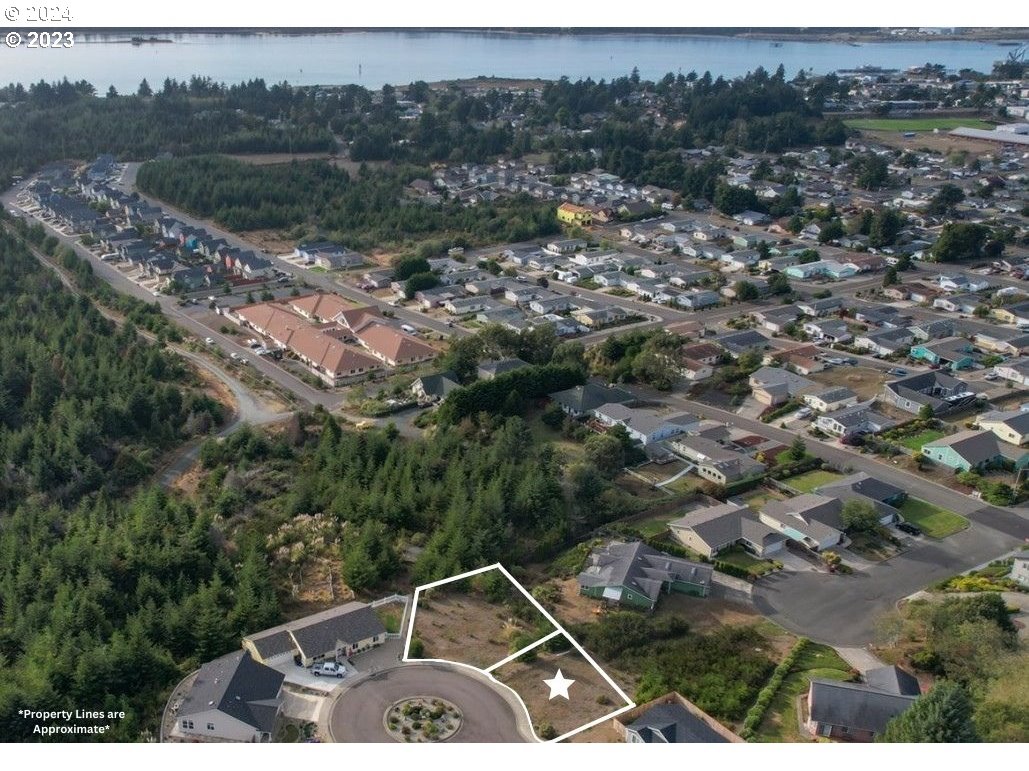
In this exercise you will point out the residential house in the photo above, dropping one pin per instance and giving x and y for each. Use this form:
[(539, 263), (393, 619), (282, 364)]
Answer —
[(1015, 370), (231, 699), (942, 392), (330, 635), (965, 450), (488, 370), (958, 303), (392, 346), (954, 353), (961, 282), (1011, 427), (572, 214), (250, 266), (697, 299), (709, 531), (866, 486), (736, 343), (809, 519), (1020, 567), (776, 320), (323, 307), (645, 426), (1003, 342), (434, 388), (828, 330), (858, 712), (772, 385), (579, 401), (714, 461), (637, 575), (830, 399), (460, 306), (885, 342), (596, 318), (932, 330), (693, 370), (702, 352), (328, 255), (752, 218), (857, 419), (566, 246), (671, 719), (1016, 313), (823, 307)]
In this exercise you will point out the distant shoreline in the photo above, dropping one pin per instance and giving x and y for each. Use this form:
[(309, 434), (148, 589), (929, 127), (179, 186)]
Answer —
[(1010, 35)]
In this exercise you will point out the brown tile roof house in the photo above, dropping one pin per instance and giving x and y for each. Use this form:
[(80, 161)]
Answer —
[(704, 352), (356, 318), (319, 307), (318, 347), (393, 346)]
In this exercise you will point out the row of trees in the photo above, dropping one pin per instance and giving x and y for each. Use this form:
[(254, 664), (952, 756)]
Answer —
[(365, 211)]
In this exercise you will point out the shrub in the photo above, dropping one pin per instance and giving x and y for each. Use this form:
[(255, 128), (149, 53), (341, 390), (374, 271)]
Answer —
[(764, 699)]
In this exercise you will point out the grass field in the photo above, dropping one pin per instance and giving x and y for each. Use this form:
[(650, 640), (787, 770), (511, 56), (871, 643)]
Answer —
[(915, 124), (807, 482), (781, 722), (934, 521), (741, 559), (761, 496), (653, 525), (916, 441)]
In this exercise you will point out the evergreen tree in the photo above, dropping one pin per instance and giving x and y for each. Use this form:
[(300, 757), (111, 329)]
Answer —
[(944, 715)]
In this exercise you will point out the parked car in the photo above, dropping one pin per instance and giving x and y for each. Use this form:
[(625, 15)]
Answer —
[(897, 371), (803, 412), (907, 527), (329, 669), (209, 340), (234, 356), (990, 376)]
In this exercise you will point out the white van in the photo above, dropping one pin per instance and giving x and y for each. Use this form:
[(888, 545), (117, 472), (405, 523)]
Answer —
[(409, 329)]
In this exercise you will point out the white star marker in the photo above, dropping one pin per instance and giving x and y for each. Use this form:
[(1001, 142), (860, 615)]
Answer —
[(559, 685)]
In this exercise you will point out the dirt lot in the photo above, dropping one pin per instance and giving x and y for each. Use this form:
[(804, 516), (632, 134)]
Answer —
[(589, 697), (941, 143), (468, 629), (866, 382)]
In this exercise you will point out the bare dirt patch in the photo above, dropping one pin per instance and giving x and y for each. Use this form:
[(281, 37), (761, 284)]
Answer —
[(271, 241), (589, 697), (467, 627), (866, 382), (942, 143)]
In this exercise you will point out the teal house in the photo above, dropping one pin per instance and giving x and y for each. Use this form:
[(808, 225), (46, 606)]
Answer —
[(636, 575), (954, 353), (965, 451)]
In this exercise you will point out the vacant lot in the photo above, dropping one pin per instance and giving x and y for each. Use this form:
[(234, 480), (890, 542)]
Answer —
[(866, 382), (589, 697), (915, 124), (468, 628), (781, 722), (807, 482), (916, 441), (934, 521)]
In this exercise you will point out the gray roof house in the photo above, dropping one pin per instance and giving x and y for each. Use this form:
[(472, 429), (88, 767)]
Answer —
[(866, 485), (583, 400), (671, 719), (232, 698), (809, 519), (434, 387), (857, 419), (491, 369), (738, 342), (644, 425), (939, 390), (859, 711), (713, 529), (328, 635), (637, 575)]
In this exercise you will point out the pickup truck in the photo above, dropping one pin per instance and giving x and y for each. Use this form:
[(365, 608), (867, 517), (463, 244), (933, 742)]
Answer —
[(329, 669)]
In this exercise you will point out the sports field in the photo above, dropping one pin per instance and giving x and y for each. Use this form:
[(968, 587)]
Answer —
[(915, 124)]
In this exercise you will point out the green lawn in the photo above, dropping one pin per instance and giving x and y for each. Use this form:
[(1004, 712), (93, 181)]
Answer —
[(915, 124), (934, 521), (915, 441), (807, 482), (781, 723), (741, 559), (653, 525), (760, 497)]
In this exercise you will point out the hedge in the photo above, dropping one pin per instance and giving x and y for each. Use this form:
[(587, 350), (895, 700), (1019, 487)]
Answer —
[(764, 698)]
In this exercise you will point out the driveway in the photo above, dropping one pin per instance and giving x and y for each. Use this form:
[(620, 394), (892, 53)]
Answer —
[(488, 709), (842, 609)]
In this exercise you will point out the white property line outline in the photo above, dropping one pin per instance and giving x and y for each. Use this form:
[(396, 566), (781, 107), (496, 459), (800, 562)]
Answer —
[(526, 649), (559, 629)]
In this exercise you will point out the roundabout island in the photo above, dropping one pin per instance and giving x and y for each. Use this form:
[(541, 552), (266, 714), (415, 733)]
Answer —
[(448, 702)]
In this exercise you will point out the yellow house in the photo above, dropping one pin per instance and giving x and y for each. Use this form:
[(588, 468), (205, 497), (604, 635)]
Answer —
[(572, 214)]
